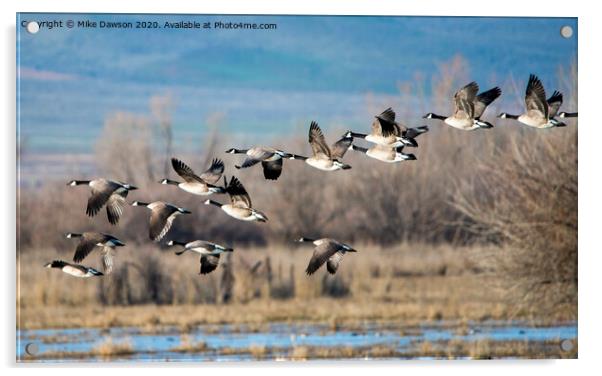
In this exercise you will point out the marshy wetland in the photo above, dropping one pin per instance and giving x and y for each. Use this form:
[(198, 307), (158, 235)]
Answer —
[(302, 341)]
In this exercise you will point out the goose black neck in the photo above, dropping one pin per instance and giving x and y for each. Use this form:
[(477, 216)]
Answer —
[(240, 151), (359, 148), (81, 182), (175, 242), (57, 264), (140, 203), (172, 182), (358, 135), (508, 116), (439, 117), (73, 235), (214, 203), (307, 240), (299, 157)]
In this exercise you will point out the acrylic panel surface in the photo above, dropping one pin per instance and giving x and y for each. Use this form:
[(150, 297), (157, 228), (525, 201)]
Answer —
[(464, 224)]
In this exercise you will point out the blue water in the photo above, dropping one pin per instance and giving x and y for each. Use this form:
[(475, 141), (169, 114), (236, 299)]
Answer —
[(156, 347)]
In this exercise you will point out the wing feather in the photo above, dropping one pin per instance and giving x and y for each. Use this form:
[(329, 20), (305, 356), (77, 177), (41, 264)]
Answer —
[(464, 101), (272, 169), (101, 191), (317, 141), (209, 263), (484, 99), (535, 97), (340, 147), (238, 194), (115, 206), (333, 262), (161, 219), (87, 243), (321, 254), (554, 103), (107, 260), (214, 172), (385, 124), (185, 171)]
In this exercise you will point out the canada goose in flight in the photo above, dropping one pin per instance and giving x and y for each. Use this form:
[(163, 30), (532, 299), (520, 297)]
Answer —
[(240, 206), (385, 153), (90, 240), (209, 252), (469, 107), (109, 192), (387, 132), (271, 159), (161, 218), (75, 270), (567, 114), (327, 251), (540, 111), (198, 185), (325, 158)]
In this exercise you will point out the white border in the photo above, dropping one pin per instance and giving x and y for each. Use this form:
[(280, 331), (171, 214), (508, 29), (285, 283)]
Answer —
[(590, 258)]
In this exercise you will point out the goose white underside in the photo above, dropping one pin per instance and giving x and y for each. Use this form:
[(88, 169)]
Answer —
[(68, 269), (240, 213), (204, 251), (385, 141), (322, 164), (273, 158), (196, 189), (463, 124), (536, 123), (378, 156)]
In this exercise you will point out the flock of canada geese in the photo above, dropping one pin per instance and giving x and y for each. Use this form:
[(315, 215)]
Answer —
[(389, 139)]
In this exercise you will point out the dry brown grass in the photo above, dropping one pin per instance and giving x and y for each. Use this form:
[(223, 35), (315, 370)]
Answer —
[(408, 284), (109, 349), (188, 345)]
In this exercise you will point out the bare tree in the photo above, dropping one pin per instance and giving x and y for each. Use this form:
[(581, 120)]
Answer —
[(161, 107)]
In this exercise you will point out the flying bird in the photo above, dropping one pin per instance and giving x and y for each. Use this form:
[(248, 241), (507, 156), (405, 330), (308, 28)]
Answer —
[(161, 218), (88, 241), (240, 206), (271, 159), (327, 251), (75, 270), (198, 185), (325, 158), (109, 192), (387, 132), (469, 107), (540, 111), (209, 252)]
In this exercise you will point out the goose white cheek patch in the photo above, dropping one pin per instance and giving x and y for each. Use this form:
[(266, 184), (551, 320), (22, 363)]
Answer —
[(247, 187)]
